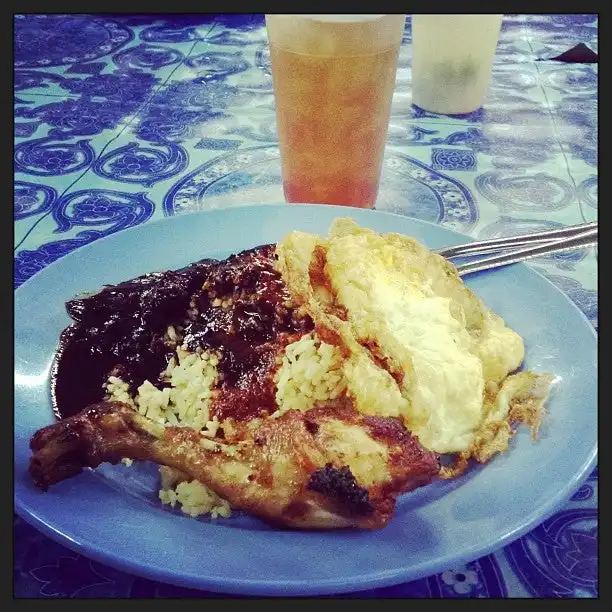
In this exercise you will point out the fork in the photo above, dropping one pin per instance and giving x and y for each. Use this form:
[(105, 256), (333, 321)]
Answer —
[(535, 244)]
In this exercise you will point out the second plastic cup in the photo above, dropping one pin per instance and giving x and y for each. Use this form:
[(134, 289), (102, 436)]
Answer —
[(452, 56), (333, 77)]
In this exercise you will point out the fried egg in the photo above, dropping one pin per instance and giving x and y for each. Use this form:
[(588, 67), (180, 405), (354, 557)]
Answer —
[(420, 345)]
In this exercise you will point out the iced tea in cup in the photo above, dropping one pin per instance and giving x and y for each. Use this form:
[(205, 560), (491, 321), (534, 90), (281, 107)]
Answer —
[(452, 56), (333, 82)]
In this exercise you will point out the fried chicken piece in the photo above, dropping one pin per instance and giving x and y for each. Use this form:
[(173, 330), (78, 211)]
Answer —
[(329, 467)]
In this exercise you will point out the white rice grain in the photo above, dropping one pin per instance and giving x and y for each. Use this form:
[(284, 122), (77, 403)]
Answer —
[(310, 373)]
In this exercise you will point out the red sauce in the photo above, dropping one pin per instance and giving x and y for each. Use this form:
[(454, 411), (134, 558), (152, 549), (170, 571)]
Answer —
[(256, 323)]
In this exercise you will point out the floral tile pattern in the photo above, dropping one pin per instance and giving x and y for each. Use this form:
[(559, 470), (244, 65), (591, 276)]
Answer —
[(121, 119)]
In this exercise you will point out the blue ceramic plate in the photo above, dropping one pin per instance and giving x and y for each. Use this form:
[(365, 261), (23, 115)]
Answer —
[(112, 514)]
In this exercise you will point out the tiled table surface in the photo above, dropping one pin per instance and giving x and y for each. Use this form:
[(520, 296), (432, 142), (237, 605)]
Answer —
[(123, 119)]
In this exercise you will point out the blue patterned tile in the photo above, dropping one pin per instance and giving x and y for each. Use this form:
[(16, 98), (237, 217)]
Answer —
[(512, 48), (31, 198), (42, 41), (40, 82), (476, 580), (178, 28), (217, 144), (496, 145), (513, 191), (221, 30), (559, 558), (72, 116), (511, 77), (409, 133), (86, 68), (519, 107), (572, 80), (453, 159), (236, 31), (142, 163), (587, 194), (181, 110), (576, 120), (147, 57), (258, 82), (25, 129), (64, 145), (50, 157), (553, 31), (215, 65)]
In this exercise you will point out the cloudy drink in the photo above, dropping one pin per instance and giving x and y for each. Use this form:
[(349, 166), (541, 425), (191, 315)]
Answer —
[(333, 80)]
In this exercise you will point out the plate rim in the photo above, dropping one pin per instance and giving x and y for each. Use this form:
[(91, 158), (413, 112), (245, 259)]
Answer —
[(375, 579)]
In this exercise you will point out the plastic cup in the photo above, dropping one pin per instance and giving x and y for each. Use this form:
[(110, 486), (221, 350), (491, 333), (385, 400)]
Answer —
[(333, 78), (452, 56)]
